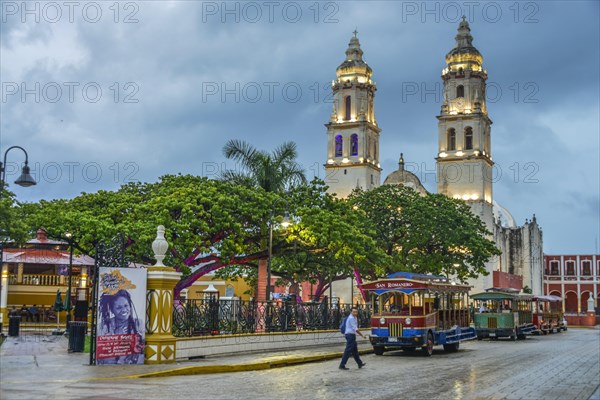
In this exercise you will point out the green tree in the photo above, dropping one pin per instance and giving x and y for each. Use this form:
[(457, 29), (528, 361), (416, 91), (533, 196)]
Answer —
[(326, 242), (274, 172), (429, 234), (13, 226), (210, 224)]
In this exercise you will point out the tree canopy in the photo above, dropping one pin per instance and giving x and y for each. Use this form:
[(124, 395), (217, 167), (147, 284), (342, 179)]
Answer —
[(220, 225), (429, 234), (209, 223)]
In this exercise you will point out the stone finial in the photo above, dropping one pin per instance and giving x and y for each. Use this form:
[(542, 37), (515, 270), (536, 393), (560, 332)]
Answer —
[(160, 246), (463, 37), (354, 51), (401, 162)]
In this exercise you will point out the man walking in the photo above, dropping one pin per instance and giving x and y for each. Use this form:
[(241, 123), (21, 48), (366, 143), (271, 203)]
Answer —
[(351, 346)]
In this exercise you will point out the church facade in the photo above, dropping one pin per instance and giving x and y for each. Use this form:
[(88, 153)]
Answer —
[(463, 158)]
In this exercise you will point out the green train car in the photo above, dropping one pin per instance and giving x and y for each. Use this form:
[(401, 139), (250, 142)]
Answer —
[(503, 313)]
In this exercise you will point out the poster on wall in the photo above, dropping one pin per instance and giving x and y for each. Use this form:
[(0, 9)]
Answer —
[(121, 328)]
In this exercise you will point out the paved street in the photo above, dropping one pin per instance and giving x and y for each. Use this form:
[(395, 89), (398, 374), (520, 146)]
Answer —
[(560, 366)]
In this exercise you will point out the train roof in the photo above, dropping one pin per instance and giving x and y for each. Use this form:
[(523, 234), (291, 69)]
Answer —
[(408, 282), (411, 275), (497, 295)]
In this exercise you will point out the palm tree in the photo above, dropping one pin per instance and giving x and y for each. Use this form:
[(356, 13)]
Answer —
[(275, 172)]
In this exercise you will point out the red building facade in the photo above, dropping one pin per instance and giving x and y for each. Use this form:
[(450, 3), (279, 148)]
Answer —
[(574, 278)]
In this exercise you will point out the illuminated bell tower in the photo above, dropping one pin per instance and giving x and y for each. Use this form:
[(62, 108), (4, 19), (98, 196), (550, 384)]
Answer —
[(464, 161), (352, 131)]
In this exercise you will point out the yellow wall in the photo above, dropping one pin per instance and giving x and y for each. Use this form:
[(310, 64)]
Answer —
[(239, 287), (30, 295)]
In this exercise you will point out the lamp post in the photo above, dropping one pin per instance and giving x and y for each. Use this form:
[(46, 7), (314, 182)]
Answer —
[(69, 237), (25, 179), (285, 223)]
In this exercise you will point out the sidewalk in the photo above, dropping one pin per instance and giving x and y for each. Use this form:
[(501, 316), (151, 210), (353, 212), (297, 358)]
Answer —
[(46, 356)]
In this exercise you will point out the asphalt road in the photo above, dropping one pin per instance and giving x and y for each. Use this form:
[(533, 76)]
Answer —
[(560, 366)]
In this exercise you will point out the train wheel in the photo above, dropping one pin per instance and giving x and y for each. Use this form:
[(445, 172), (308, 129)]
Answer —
[(428, 348), (378, 350)]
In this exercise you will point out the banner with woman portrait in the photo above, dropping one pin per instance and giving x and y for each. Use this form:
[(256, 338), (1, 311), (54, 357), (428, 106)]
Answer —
[(121, 328)]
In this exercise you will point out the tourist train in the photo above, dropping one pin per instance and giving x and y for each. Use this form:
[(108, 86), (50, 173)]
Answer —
[(413, 311), (419, 311)]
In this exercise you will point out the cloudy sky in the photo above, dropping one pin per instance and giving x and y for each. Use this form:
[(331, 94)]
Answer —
[(103, 93)]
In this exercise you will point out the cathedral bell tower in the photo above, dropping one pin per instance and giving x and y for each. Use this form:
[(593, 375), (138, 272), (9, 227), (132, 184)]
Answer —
[(464, 161), (352, 131)]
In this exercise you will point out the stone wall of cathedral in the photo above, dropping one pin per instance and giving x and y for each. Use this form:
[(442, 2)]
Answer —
[(522, 253)]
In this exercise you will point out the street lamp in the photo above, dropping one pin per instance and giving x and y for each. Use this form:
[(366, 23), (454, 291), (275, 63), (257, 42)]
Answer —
[(285, 223), (69, 237), (25, 179)]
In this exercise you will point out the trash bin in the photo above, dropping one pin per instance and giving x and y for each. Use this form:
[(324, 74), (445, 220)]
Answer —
[(14, 323), (77, 332)]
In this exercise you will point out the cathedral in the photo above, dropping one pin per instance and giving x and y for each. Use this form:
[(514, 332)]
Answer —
[(463, 158)]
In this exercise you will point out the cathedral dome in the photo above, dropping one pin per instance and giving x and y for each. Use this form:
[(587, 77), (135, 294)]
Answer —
[(464, 51), (354, 64), (503, 216), (405, 178)]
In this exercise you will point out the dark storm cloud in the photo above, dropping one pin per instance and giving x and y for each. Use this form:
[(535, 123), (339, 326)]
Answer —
[(188, 76)]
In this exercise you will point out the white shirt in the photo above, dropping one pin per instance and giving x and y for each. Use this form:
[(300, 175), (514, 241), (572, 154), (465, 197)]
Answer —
[(351, 325)]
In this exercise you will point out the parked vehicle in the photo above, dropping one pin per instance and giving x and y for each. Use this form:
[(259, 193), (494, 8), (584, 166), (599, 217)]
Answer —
[(547, 314), (501, 312), (413, 311)]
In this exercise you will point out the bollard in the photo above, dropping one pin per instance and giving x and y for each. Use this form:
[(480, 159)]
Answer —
[(77, 332), (14, 323)]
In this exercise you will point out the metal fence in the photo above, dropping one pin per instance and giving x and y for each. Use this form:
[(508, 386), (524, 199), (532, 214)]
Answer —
[(222, 317)]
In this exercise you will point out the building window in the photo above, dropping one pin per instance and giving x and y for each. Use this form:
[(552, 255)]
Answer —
[(460, 91), (554, 270), (570, 268), (339, 144), (451, 139), (345, 172), (354, 144), (372, 181), (374, 149), (348, 105), (468, 138), (586, 268)]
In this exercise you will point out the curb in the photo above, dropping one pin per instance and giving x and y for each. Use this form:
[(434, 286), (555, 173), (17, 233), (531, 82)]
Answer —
[(216, 369)]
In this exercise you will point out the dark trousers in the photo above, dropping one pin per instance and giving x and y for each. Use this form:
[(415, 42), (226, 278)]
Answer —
[(351, 349)]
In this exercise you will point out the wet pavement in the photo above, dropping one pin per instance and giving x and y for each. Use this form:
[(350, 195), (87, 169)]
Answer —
[(559, 366)]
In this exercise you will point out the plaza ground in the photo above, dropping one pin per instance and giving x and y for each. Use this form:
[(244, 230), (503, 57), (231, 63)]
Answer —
[(559, 366)]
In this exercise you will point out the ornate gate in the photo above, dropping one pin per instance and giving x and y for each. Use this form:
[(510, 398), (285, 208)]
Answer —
[(111, 254)]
